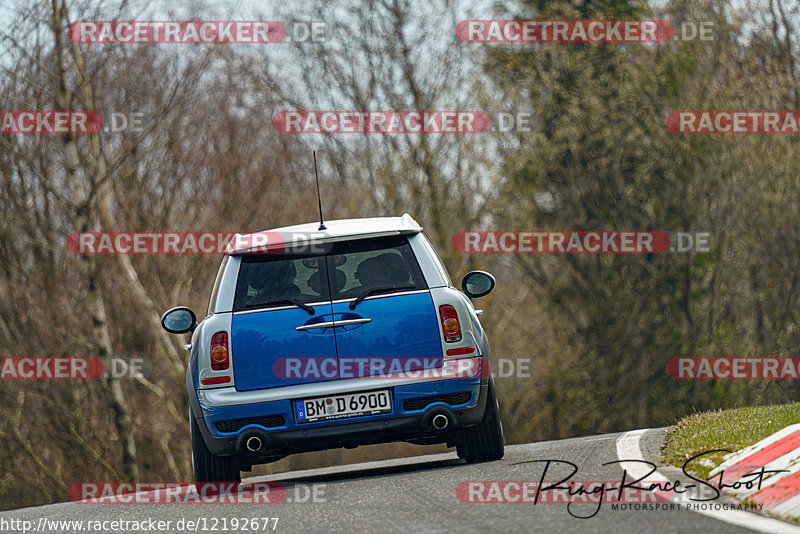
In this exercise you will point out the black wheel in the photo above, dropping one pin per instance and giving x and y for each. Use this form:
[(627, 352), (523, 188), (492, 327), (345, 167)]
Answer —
[(209, 467), (484, 442)]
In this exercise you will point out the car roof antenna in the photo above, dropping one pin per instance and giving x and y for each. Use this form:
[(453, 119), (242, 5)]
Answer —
[(319, 198)]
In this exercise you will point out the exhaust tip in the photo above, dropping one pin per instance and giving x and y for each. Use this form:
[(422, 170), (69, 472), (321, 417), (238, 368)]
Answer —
[(440, 421), (253, 443)]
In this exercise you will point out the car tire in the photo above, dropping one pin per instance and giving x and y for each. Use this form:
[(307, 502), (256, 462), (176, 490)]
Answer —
[(484, 442), (209, 467)]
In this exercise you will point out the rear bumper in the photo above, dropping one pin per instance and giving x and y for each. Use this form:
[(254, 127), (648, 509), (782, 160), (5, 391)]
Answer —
[(409, 421)]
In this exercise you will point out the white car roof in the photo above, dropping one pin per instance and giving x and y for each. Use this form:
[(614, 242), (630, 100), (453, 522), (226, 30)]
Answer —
[(309, 233)]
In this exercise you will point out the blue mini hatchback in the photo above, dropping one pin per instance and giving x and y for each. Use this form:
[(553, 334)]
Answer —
[(351, 335)]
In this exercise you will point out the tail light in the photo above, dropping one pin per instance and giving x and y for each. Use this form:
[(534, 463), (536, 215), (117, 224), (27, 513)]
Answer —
[(450, 325), (219, 351)]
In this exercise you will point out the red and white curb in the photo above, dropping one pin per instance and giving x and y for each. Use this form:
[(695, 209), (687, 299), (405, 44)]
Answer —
[(628, 448), (778, 493)]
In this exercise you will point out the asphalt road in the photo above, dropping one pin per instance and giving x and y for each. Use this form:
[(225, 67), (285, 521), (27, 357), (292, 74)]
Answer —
[(417, 494)]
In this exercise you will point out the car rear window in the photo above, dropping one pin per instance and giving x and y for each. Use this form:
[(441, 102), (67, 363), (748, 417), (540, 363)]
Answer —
[(272, 280), (382, 264)]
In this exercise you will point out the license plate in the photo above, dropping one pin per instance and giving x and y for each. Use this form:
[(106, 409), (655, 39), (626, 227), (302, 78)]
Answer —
[(343, 406)]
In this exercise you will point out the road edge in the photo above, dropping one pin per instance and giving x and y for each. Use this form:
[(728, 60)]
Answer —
[(628, 447)]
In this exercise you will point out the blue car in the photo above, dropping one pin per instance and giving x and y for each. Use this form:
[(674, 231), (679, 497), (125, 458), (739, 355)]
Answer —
[(337, 337)]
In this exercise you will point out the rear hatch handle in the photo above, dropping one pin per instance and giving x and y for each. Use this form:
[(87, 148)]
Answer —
[(328, 324)]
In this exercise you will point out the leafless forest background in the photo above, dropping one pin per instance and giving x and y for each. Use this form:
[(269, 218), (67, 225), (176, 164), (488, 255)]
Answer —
[(599, 328)]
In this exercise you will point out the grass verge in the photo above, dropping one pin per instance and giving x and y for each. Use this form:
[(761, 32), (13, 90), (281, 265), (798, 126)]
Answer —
[(724, 429)]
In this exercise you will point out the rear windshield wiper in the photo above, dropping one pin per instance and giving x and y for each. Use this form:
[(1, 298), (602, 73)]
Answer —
[(374, 290), (296, 302)]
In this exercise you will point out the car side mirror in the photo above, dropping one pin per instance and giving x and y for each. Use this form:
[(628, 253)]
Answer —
[(477, 284), (179, 320)]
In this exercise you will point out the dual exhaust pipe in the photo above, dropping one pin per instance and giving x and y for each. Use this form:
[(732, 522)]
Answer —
[(438, 421)]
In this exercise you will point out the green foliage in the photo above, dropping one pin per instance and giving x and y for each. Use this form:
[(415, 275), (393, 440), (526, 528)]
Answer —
[(725, 429)]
